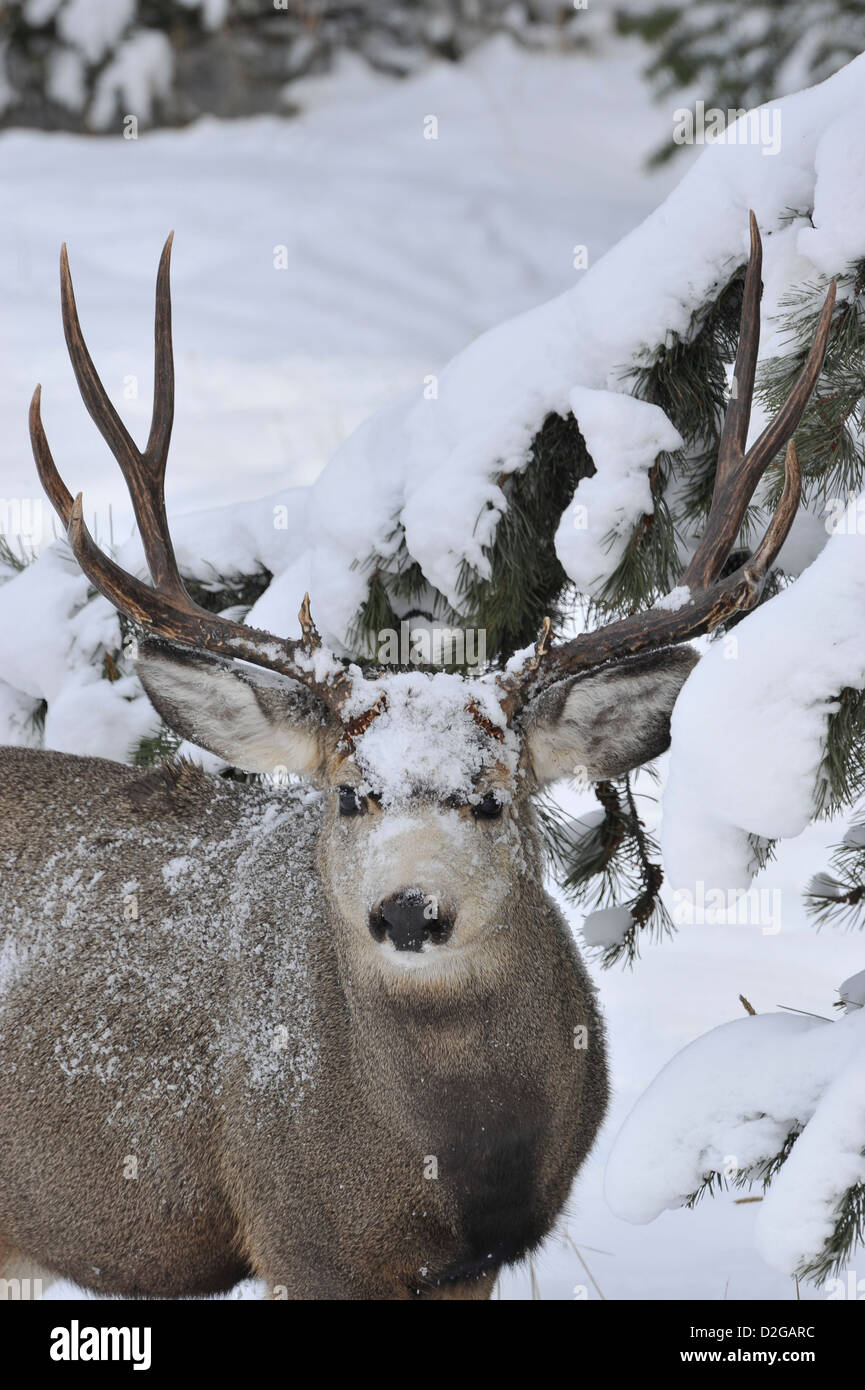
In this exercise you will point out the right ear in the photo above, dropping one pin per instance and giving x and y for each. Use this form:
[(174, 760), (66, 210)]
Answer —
[(255, 720), (609, 721)]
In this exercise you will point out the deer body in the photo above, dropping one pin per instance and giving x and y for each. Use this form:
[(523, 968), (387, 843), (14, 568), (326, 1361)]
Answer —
[(196, 1086), (337, 1037)]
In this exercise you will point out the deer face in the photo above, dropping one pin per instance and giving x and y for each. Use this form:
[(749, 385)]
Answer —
[(423, 829), (428, 827), (420, 879)]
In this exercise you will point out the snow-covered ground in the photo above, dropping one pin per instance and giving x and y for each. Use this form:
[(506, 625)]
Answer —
[(398, 250)]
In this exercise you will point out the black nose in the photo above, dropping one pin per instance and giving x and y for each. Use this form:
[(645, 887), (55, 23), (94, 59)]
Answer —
[(408, 920)]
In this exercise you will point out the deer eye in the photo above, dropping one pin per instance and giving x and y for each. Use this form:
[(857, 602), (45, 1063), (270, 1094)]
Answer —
[(488, 808), (350, 804)]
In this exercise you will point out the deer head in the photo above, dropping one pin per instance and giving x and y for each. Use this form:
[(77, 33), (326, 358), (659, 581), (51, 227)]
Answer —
[(429, 778)]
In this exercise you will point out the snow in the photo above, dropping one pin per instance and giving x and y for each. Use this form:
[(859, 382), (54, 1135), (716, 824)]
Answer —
[(608, 926), (100, 718), (92, 26), (176, 869), (681, 1129), (65, 79), (727, 1104), (749, 727), (139, 73), (38, 654), (852, 991), (624, 437), (675, 599), (839, 199), (799, 1211), (426, 741)]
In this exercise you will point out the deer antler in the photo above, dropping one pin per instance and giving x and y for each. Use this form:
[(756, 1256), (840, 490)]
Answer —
[(165, 609), (710, 599)]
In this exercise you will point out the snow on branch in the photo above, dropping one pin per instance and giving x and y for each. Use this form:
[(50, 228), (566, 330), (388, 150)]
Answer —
[(424, 480), (774, 1098), (750, 727)]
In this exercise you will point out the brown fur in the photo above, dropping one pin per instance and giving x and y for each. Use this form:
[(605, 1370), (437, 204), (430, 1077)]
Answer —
[(176, 989)]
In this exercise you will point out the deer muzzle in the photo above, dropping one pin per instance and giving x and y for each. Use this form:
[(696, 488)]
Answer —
[(410, 920)]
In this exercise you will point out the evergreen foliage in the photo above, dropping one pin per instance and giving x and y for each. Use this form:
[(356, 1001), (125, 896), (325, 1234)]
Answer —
[(527, 582), (169, 61), (837, 898), (828, 440), (848, 1234), (739, 53), (610, 860)]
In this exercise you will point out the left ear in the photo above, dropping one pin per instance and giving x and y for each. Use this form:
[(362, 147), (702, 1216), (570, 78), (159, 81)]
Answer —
[(604, 724), (252, 718)]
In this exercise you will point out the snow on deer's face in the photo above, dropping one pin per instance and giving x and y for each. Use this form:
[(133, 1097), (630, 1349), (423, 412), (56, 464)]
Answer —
[(421, 843)]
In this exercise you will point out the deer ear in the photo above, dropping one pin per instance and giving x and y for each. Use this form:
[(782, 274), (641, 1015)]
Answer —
[(255, 720), (604, 724)]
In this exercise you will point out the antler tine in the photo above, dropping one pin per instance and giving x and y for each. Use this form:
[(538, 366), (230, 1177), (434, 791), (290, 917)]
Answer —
[(739, 473), (166, 609), (58, 493), (734, 432), (782, 519), (708, 599), (162, 615), (644, 632), (162, 418), (144, 473)]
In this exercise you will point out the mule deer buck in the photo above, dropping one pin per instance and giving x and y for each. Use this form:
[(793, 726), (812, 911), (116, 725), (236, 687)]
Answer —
[(335, 1036)]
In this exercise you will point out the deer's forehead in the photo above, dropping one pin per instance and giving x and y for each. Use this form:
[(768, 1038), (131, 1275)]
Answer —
[(437, 737)]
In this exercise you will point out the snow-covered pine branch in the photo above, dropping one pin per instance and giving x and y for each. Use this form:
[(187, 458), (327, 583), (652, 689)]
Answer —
[(776, 1099)]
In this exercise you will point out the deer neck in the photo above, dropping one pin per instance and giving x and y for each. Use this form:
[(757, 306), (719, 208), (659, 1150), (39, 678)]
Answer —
[(435, 1064)]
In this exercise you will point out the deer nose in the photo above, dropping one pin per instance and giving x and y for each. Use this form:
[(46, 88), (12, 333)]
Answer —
[(408, 920)]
